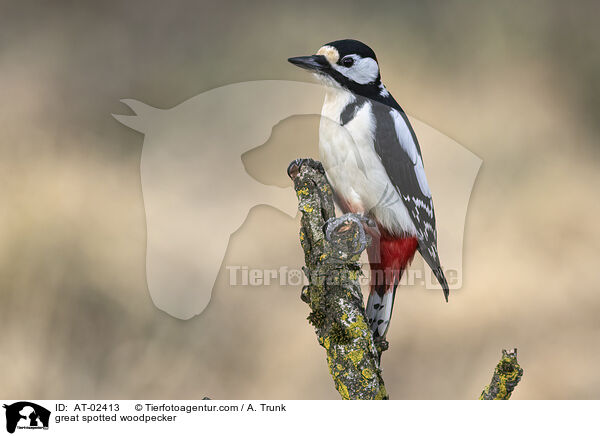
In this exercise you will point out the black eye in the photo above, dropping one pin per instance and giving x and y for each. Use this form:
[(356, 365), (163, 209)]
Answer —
[(347, 61)]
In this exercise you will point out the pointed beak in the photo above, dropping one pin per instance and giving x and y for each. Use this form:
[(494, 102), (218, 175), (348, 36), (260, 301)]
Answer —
[(314, 63)]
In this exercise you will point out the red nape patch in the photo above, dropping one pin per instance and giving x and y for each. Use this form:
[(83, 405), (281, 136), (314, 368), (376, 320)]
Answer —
[(394, 256)]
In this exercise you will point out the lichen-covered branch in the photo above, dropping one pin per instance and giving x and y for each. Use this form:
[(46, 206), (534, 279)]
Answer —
[(332, 247), (506, 376)]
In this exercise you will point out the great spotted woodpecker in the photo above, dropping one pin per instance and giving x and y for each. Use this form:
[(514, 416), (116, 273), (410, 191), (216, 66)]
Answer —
[(373, 161)]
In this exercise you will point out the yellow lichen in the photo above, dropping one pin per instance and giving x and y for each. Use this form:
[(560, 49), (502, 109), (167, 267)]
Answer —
[(358, 328), (343, 390), (508, 372), (356, 356)]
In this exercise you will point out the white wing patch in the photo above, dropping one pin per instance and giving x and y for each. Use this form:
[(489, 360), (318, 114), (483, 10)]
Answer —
[(408, 144), (420, 170), (404, 136)]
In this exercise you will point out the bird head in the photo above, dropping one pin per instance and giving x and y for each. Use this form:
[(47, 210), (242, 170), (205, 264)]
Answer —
[(346, 63)]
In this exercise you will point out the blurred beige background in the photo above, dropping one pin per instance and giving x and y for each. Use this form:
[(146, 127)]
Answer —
[(517, 84)]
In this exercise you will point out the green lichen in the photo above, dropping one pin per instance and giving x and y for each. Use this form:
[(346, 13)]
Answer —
[(339, 334), (381, 394), (317, 318)]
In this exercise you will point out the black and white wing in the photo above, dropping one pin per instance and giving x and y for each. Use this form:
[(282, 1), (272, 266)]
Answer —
[(397, 146)]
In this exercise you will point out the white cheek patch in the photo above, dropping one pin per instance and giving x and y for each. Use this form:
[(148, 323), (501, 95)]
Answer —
[(364, 70)]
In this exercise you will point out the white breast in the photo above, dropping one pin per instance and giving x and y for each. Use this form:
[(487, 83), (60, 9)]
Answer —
[(354, 168)]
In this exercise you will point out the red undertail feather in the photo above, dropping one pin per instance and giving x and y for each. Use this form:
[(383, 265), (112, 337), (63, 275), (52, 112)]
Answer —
[(389, 256), (395, 254)]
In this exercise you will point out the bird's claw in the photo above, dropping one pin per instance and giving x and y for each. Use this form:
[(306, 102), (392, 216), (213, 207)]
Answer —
[(343, 224)]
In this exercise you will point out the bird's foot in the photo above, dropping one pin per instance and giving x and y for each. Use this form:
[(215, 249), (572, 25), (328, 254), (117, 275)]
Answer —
[(356, 218), (347, 234)]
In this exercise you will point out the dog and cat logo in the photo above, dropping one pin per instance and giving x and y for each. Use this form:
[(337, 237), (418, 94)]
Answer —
[(198, 191), (26, 415)]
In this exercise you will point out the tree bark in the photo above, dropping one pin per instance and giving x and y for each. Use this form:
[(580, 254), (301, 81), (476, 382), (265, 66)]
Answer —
[(332, 247), (506, 376)]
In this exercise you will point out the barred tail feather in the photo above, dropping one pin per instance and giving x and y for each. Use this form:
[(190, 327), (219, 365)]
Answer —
[(379, 312), (388, 262)]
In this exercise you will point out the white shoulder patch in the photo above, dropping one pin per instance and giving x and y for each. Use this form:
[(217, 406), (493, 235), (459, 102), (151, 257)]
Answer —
[(420, 171), (408, 144)]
